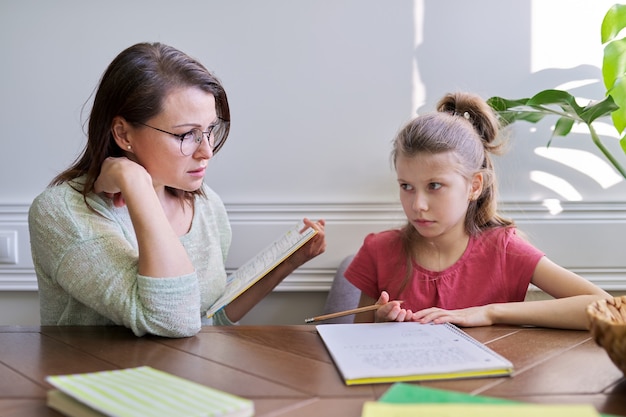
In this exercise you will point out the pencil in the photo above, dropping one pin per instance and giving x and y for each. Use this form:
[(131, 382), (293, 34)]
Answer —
[(344, 313)]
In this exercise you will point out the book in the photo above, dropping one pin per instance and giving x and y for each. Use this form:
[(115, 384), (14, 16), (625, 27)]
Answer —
[(367, 353), (378, 409), (404, 393), (140, 392), (401, 393), (260, 265)]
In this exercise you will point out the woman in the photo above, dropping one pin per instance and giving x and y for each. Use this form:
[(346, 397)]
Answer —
[(129, 234)]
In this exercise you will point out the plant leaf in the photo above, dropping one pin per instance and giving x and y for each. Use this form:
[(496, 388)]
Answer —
[(563, 126), (500, 104), (618, 93), (536, 108), (514, 110), (560, 98), (622, 143), (614, 62), (614, 21), (599, 109), (533, 116)]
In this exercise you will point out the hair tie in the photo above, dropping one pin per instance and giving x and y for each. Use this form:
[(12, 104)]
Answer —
[(465, 115)]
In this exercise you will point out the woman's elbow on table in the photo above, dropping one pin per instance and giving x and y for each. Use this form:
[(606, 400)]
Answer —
[(171, 329)]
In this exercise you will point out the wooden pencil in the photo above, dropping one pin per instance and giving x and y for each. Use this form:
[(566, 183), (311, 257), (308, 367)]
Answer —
[(343, 313)]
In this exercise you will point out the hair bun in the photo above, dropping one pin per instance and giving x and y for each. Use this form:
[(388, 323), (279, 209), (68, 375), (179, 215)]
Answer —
[(474, 109)]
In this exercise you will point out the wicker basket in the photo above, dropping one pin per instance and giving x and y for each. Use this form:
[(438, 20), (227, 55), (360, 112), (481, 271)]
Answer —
[(608, 328)]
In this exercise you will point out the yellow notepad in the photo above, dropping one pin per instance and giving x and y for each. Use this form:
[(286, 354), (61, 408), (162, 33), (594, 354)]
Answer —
[(368, 353), (377, 409), (404, 393), (141, 392)]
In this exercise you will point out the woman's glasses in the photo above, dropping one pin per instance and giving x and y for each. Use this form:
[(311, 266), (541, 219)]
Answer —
[(190, 141)]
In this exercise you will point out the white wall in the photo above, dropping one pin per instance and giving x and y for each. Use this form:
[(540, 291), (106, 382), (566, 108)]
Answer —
[(317, 90)]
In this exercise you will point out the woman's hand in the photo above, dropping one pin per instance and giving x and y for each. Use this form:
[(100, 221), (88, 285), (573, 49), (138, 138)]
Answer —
[(113, 175), (314, 247), (240, 306), (466, 317), (391, 310)]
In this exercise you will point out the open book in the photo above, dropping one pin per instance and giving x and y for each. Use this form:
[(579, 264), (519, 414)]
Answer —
[(140, 392), (368, 353), (257, 267)]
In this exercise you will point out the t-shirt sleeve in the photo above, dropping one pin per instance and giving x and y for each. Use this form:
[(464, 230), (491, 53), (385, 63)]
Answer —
[(521, 259), (362, 271)]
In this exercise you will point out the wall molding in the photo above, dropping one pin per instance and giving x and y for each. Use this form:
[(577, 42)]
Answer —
[(348, 223)]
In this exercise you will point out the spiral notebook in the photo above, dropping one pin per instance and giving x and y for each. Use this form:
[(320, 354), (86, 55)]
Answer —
[(367, 353)]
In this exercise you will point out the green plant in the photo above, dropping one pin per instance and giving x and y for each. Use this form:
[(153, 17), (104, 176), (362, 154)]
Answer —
[(564, 105)]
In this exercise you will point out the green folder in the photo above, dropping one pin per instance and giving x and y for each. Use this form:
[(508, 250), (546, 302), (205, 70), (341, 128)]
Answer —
[(403, 393)]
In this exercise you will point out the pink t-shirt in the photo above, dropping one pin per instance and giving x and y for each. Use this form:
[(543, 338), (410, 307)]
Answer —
[(497, 266)]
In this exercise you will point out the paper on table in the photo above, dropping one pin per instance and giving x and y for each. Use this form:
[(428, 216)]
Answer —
[(378, 409), (257, 267), (409, 351)]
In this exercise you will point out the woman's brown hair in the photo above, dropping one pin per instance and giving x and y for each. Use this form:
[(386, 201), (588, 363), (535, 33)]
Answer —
[(134, 87)]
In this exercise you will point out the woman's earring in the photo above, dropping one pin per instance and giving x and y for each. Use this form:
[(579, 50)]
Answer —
[(129, 147)]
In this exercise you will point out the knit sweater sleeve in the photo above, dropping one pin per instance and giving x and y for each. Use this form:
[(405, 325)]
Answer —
[(86, 267)]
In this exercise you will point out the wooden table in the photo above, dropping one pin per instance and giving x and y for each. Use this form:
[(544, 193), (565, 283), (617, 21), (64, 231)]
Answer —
[(287, 371)]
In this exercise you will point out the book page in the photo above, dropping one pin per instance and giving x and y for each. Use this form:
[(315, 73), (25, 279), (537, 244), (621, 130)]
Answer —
[(257, 267), (387, 350)]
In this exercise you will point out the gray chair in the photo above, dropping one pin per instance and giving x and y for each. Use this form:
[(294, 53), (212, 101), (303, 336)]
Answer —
[(342, 295)]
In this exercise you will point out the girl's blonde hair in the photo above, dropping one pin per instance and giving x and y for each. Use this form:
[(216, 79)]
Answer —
[(467, 126)]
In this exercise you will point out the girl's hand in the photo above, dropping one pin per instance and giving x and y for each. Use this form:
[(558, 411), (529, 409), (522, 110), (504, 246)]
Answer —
[(113, 173), (391, 310), (466, 317)]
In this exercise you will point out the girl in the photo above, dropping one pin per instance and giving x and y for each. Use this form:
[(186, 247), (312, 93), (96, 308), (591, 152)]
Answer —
[(457, 260), (130, 235)]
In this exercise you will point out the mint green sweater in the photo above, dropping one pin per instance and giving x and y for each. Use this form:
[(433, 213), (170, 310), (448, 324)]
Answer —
[(86, 266)]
